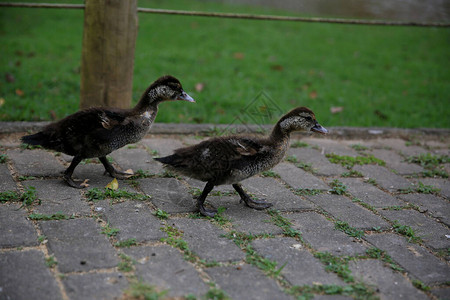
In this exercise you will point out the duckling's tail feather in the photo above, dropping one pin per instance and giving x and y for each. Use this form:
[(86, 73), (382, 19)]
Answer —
[(35, 139), (167, 160)]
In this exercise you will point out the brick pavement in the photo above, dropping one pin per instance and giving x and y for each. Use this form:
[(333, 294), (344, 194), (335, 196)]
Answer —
[(378, 236)]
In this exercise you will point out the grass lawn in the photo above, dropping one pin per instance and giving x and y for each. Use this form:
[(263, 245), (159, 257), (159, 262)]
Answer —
[(380, 76)]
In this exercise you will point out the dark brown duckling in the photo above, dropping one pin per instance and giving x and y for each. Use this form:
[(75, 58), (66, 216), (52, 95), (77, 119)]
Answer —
[(96, 132), (231, 159)]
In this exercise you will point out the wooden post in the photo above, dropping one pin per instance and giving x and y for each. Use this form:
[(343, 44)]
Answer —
[(109, 39)]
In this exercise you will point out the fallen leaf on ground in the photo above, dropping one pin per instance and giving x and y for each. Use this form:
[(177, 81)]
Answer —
[(129, 171), (277, 67), (336, 109), (19, 92), (313, 94), (113, 185), (239, 55), (2, 101)]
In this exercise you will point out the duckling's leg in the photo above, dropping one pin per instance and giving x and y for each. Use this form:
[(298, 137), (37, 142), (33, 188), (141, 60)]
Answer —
[(248, 200), (200, 200), (68, 173), (112, 171)]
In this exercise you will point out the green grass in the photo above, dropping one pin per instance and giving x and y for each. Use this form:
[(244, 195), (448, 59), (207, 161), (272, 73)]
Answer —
[(382, 76), (350, 161), (27, 197), (42, 217)]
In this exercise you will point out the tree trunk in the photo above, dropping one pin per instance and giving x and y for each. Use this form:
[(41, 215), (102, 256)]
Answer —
[(109, 39)]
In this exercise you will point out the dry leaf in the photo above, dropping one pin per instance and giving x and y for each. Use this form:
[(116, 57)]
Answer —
[(277, 67), (2, 101), (336, 109), (19, 92), (313, 94), (199, 87), (238, 55), (130, 172), (113, 185)]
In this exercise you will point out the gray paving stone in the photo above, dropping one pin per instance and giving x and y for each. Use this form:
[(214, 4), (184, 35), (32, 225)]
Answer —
[(251, 221), (346, 210), (164, 267), (164, 146), (15, 229), (399, 145), (134, 219), (194, 183), (6, 181), (321, 235), (297, 178), (136, 159), (201, 236), (390, 284), (331, 146), (23, 275), (433, 233), (272, 191), (437, 207), (385, 178), (35, 163), (442, 184), (168, 194), (369, 193), (95, 286), (320, 164), (57, 197), (396, 162), (95, 173), (300, 266), (442, 293), (332, 297), (78, 245), (415, 259), (246, 282)]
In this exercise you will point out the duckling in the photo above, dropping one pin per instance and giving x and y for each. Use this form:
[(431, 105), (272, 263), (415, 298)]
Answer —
[(231, 159), (96, 132)]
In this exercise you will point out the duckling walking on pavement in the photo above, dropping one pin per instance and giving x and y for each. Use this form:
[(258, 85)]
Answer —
[(96, 132), (231, 159)]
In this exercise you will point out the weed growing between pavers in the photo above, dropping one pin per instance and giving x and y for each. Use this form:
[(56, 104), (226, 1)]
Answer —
[(3, 158), (355, 290), (41, 239), (27, 197), (109, 231), (372, 181), (338, 188), (126, 264), (175, 240), (23, 178), (50, 261), (406, 231), (377, 253), (351, 231), (420, 188), (300, 164), (308, 192), (291, 158), (349, 161), (160, 214), (299, 144), (270, 173), (140, 290), (420, 285), (286, 225), (214, 294), (218, 218), (43, 217), (366, 205), (30, 147), (401, 207), (336, 264), (359, 147), (126, 243), (97, 194), (352, 173), (433, 164)]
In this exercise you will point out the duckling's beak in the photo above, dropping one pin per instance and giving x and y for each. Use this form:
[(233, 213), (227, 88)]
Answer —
[(184, 96), (318, 128)]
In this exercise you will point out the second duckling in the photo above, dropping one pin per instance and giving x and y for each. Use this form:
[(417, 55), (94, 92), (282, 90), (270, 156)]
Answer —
[(231, 159)]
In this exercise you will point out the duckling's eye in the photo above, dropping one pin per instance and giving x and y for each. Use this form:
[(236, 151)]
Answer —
[(308, 118)]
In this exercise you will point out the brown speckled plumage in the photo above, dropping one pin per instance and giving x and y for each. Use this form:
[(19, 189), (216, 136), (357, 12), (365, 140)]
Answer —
[(96, 132), (231, 159)]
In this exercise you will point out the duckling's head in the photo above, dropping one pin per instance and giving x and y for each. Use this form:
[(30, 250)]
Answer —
[(167, 88), (300, 119)]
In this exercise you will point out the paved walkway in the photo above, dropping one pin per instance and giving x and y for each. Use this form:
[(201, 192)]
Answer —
[(379, 229)]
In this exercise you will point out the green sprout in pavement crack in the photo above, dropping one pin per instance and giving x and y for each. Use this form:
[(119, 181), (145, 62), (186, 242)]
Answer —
[(175, 239), (27, 198), (55, 216), (359, 147), (352, 173), (3, 158), (349, 161), (338, 187), (97, 194), (139, 290), (308, 192), (161, 214), (407, 231), (218, 218), (126, 243), (50, 261), (109, 231), (355, 290), (377, 253), (126, 264), (433, 164), (278, 220), (421, 189), (366, 205), (299, 144), (270, 173), (350, 231)]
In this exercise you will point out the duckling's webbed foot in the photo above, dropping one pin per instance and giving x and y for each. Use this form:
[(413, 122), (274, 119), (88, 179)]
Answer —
[(68, 173), (201, 200), (255, 204), (113, 171)]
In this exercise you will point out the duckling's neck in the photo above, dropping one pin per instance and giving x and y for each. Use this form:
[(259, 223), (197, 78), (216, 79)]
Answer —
[(280, 135), (149, 102)]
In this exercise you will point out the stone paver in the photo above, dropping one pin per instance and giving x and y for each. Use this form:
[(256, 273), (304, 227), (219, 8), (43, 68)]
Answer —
[(168, 194), (320, 233), (35, 163), (415, 259), (15, 229), (165, 267), (392, 285), (201, 234), (385, 178), (145, 226), (300, 266), (78, 246), (346, 210), (435, 206), (6, 181), (23, 275), (57, 198), (94, 285), (320, 164), (89, 264), (433, 233), (246, 282), (136, 159), (369, 194), (298, 178)]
